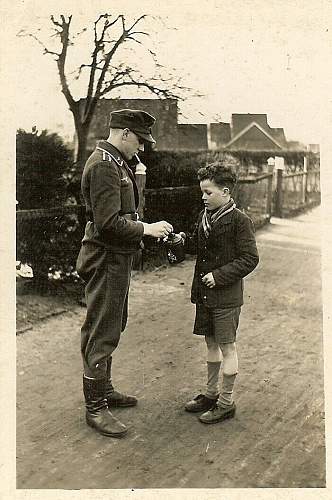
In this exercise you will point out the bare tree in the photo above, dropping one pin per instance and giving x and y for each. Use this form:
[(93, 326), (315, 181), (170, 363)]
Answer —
[(104, 75)]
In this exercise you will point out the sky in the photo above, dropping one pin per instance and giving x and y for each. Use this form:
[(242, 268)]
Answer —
[(243, 57)]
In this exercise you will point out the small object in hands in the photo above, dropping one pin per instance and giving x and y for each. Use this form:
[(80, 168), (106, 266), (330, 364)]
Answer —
[(175, 244)]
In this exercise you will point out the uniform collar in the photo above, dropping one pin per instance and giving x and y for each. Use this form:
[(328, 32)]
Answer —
[(112, 151)]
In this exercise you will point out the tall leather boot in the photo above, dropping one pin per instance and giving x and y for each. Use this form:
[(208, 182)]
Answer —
[(98, 415), (114, 398)]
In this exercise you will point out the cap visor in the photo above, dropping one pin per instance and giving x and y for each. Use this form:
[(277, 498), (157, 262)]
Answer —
[(145, 137)]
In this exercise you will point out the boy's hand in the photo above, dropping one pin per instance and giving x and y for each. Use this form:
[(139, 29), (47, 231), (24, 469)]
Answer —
[(208, 280)]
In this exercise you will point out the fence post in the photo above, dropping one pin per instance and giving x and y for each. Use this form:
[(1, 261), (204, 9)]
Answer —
[(270, 168), (140, 176), (140, 181), (279, 165), (269, 196), (305, 179)]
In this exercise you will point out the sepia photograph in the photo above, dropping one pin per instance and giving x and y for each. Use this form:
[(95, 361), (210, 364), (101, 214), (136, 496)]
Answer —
[(169, 210)]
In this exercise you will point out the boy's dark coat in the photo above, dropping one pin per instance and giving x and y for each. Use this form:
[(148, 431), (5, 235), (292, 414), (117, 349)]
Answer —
[(230, 253)]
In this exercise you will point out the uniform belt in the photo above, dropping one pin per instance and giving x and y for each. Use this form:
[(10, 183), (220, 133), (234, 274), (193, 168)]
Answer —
[(131, 216)]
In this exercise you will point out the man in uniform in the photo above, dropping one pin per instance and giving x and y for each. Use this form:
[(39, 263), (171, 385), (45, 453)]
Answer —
[(113, 235)]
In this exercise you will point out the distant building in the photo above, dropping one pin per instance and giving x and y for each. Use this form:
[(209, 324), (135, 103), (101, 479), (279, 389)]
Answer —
[(246, 131), (192, 137), (296, 146), (164, 110), (314, 148), (251, 132), (218, 135)]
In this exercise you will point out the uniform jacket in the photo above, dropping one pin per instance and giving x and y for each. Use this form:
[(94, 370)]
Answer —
[(111, 198), (230, 253)]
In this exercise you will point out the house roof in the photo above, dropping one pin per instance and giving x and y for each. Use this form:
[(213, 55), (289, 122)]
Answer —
[(241, 120), (249, 127), (279, 135)]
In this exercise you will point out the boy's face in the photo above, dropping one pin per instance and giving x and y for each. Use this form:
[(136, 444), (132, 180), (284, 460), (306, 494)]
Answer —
[(214, 196)]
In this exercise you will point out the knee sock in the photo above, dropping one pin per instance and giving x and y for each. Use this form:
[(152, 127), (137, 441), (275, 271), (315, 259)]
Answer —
[(213, 369), (226, 397)]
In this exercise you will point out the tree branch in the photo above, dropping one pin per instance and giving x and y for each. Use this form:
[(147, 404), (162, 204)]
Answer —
[(91, 100), (137, 21), (61, 61), (56, 23), (152, 88), (22, 33), (139, 33)]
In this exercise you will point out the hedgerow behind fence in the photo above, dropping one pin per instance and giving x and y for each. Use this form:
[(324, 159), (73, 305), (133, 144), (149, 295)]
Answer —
[(49, 240)]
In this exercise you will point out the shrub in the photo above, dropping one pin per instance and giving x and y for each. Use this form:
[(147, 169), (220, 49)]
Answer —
[(170, 168), (43, 162)]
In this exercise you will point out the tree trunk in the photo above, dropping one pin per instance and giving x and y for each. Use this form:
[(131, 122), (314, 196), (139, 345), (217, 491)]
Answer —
[(82, 140), (82, 132), (80, 159)]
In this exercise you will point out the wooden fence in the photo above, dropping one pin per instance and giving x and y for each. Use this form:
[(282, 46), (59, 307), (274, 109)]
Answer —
[(295, 192), (55, 234), (181, 205)]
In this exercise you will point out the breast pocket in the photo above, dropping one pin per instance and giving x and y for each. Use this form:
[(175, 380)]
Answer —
[(223, 228), (223, 243), (125, 182), (127, 195), (224, 232)]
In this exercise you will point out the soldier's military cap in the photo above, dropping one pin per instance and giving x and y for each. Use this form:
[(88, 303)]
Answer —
[(136, 120)]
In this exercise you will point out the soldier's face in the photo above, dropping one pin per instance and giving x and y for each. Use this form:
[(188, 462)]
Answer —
[(213, 196), (131, 144)]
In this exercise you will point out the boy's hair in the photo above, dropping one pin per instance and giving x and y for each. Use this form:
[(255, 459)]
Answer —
[(223, 175)]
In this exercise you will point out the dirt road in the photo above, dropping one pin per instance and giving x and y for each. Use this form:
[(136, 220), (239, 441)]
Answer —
[(277, 436)]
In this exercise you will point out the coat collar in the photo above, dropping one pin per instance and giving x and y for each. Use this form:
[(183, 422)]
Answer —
[(112, 151), (114, 154), (226, 219)]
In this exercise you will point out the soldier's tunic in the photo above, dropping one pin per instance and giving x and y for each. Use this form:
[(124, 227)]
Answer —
[(112, 237)]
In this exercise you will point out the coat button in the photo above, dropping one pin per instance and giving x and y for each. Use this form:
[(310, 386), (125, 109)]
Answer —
[(204, 297)]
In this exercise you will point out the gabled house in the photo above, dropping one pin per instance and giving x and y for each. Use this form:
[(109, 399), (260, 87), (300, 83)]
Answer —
[(251, 132)]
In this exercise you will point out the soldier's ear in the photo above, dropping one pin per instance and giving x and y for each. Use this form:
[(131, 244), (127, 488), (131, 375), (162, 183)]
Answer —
[(125, 133)]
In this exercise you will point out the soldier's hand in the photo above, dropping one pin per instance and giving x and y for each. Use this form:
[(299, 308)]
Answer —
[(159, 229), (208, 280)]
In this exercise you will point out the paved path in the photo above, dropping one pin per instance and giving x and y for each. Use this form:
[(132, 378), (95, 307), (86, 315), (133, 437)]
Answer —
[(276, 439)]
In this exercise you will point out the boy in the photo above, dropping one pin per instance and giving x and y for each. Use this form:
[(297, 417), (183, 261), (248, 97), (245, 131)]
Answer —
[(226, 253)]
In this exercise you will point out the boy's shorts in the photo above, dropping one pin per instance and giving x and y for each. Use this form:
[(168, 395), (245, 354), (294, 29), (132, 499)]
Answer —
[(221, 324)]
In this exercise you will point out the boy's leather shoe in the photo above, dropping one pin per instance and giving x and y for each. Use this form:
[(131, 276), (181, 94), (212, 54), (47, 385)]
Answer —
[(217, 414), (200, 403), (116, 399)]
